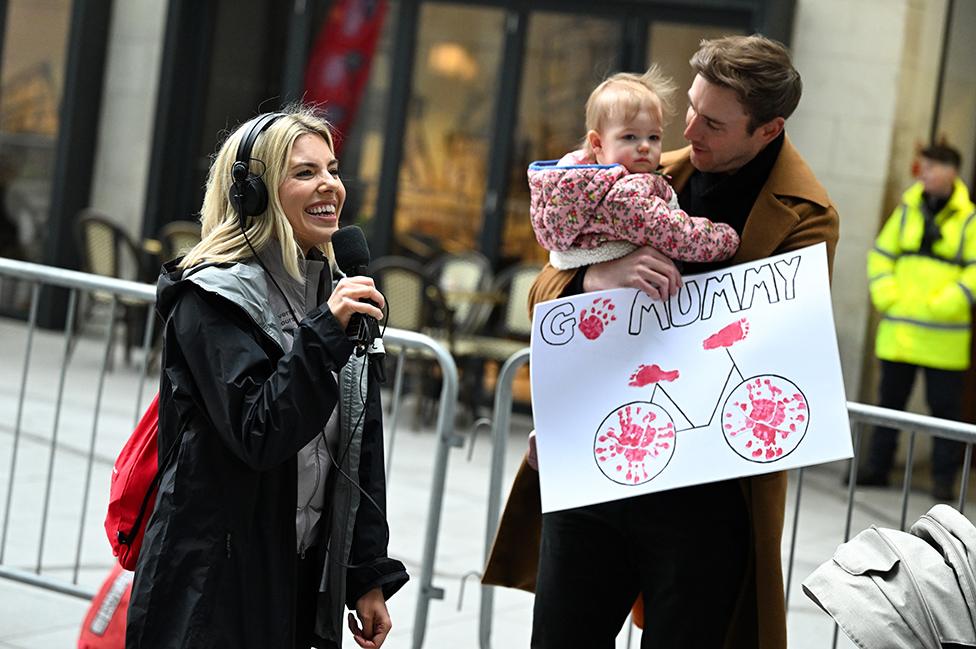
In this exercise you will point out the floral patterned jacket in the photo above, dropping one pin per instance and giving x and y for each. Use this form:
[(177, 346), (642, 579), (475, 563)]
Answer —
[(580, 206)]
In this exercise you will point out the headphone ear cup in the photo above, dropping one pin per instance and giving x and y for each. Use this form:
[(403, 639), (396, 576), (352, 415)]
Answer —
[(249, 198), (255, 197)]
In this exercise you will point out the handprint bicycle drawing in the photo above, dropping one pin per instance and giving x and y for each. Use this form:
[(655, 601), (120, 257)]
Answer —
[(763, 419)]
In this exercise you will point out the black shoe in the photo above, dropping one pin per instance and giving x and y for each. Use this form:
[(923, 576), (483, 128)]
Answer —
[(943, 490)]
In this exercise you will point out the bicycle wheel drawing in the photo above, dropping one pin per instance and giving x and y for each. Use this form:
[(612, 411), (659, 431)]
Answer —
[(765, 418), (634, 443)]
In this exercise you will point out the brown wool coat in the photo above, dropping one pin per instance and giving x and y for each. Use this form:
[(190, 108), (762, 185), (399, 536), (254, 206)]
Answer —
[(792, 211)]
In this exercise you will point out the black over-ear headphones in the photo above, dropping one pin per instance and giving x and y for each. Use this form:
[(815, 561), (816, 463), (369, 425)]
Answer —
[(248, 193)]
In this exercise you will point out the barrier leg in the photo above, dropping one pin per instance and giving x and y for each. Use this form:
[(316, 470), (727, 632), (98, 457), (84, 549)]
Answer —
[(446, 439), (796, 525), (851, 485), (72, 304), (31, 326), (501, 419)]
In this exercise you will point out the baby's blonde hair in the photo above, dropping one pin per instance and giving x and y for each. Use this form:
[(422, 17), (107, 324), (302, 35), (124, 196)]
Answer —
[(623, 95), (222, 238)]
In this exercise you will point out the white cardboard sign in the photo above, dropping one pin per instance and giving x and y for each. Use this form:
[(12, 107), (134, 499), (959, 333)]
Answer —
[(736, 375)]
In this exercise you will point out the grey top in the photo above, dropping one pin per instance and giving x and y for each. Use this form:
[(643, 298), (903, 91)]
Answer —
[(314, 461)]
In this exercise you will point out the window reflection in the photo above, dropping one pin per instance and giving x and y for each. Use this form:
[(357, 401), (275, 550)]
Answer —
[(446, 144), (671, 46), (566, 56), (31, 80)]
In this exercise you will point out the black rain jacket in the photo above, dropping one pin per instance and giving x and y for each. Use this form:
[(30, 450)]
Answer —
[(217, 566)]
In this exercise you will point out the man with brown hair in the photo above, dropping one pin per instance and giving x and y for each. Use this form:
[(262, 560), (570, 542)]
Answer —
[(705, 558)]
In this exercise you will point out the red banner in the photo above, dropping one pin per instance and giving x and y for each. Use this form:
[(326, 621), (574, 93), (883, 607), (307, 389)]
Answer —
[(339, 64)]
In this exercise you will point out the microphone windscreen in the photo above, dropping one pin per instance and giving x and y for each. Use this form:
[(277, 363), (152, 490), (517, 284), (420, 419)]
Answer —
[(351, 250)]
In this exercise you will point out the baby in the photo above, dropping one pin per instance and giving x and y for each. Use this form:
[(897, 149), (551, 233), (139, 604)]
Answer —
[(603, 201)]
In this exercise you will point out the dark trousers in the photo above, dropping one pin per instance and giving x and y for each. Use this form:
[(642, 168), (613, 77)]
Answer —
[(943, 391), (685, 550)]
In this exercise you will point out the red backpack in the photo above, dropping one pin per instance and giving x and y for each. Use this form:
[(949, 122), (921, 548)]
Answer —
[(135, 479)]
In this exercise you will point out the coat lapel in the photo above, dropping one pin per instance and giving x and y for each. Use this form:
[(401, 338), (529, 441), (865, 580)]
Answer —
[(768, 225), (677, 165)]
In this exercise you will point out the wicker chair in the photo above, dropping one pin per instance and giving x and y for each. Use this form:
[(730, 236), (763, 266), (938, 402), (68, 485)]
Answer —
[(413, 302), (464, 279), (176, 237), (507, 330), (106, 249)]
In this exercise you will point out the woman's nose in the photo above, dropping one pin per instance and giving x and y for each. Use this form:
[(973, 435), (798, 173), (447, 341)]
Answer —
[(328, 183)]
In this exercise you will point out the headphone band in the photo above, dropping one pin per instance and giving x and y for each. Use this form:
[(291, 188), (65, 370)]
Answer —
[(259, 125)]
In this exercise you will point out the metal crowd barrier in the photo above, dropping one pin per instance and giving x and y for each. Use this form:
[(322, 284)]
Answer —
[(77, 282), (860, 416), (501, 416)]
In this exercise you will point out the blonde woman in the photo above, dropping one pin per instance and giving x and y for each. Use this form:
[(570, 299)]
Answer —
[(270, 514)]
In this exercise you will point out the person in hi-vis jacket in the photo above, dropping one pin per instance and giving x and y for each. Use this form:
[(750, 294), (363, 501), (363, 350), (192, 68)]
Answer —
[(922, 274)]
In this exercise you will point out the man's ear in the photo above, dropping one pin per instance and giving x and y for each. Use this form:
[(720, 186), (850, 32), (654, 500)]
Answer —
[(593, 138), (771, 129)]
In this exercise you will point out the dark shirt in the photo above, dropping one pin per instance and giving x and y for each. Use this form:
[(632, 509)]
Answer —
[(931, 205), (728, 197)]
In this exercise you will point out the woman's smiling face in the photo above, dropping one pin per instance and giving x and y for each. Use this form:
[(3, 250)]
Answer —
[(311, 193)]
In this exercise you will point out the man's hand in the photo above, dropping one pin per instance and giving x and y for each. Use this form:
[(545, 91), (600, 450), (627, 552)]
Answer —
[(645, 269), (375, 620)]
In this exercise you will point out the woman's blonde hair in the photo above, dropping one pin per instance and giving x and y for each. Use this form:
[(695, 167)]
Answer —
[(623, 95), (222, 240)]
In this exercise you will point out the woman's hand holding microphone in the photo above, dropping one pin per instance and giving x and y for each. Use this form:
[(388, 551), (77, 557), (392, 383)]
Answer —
[(347, 298)]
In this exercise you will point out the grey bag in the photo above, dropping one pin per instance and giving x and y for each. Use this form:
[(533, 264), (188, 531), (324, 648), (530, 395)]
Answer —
[(887, 588)]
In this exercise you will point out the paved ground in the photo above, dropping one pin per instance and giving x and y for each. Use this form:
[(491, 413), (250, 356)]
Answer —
[(32, 618)]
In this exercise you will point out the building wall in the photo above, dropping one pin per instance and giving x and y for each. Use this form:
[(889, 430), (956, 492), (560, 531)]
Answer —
[(957, 117), (128, 111), (869, 70), (917, 90)]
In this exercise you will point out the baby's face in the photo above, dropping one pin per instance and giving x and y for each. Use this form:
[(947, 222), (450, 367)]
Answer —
[(635, 143)]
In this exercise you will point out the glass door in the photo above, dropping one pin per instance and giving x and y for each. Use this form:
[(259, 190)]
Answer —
[(566, 56), (31, 85), (446, 144)]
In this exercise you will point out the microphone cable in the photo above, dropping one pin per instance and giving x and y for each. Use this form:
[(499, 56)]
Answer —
[(337, 463)]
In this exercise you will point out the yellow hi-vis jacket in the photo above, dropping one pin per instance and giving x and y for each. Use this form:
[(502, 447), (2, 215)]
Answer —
[(925, 300)]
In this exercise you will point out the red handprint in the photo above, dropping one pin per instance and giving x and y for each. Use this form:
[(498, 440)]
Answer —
[(601, 315), (773, 410), (634, 443)]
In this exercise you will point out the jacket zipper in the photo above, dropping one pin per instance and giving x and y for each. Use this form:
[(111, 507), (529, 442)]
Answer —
[(346, 401)]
